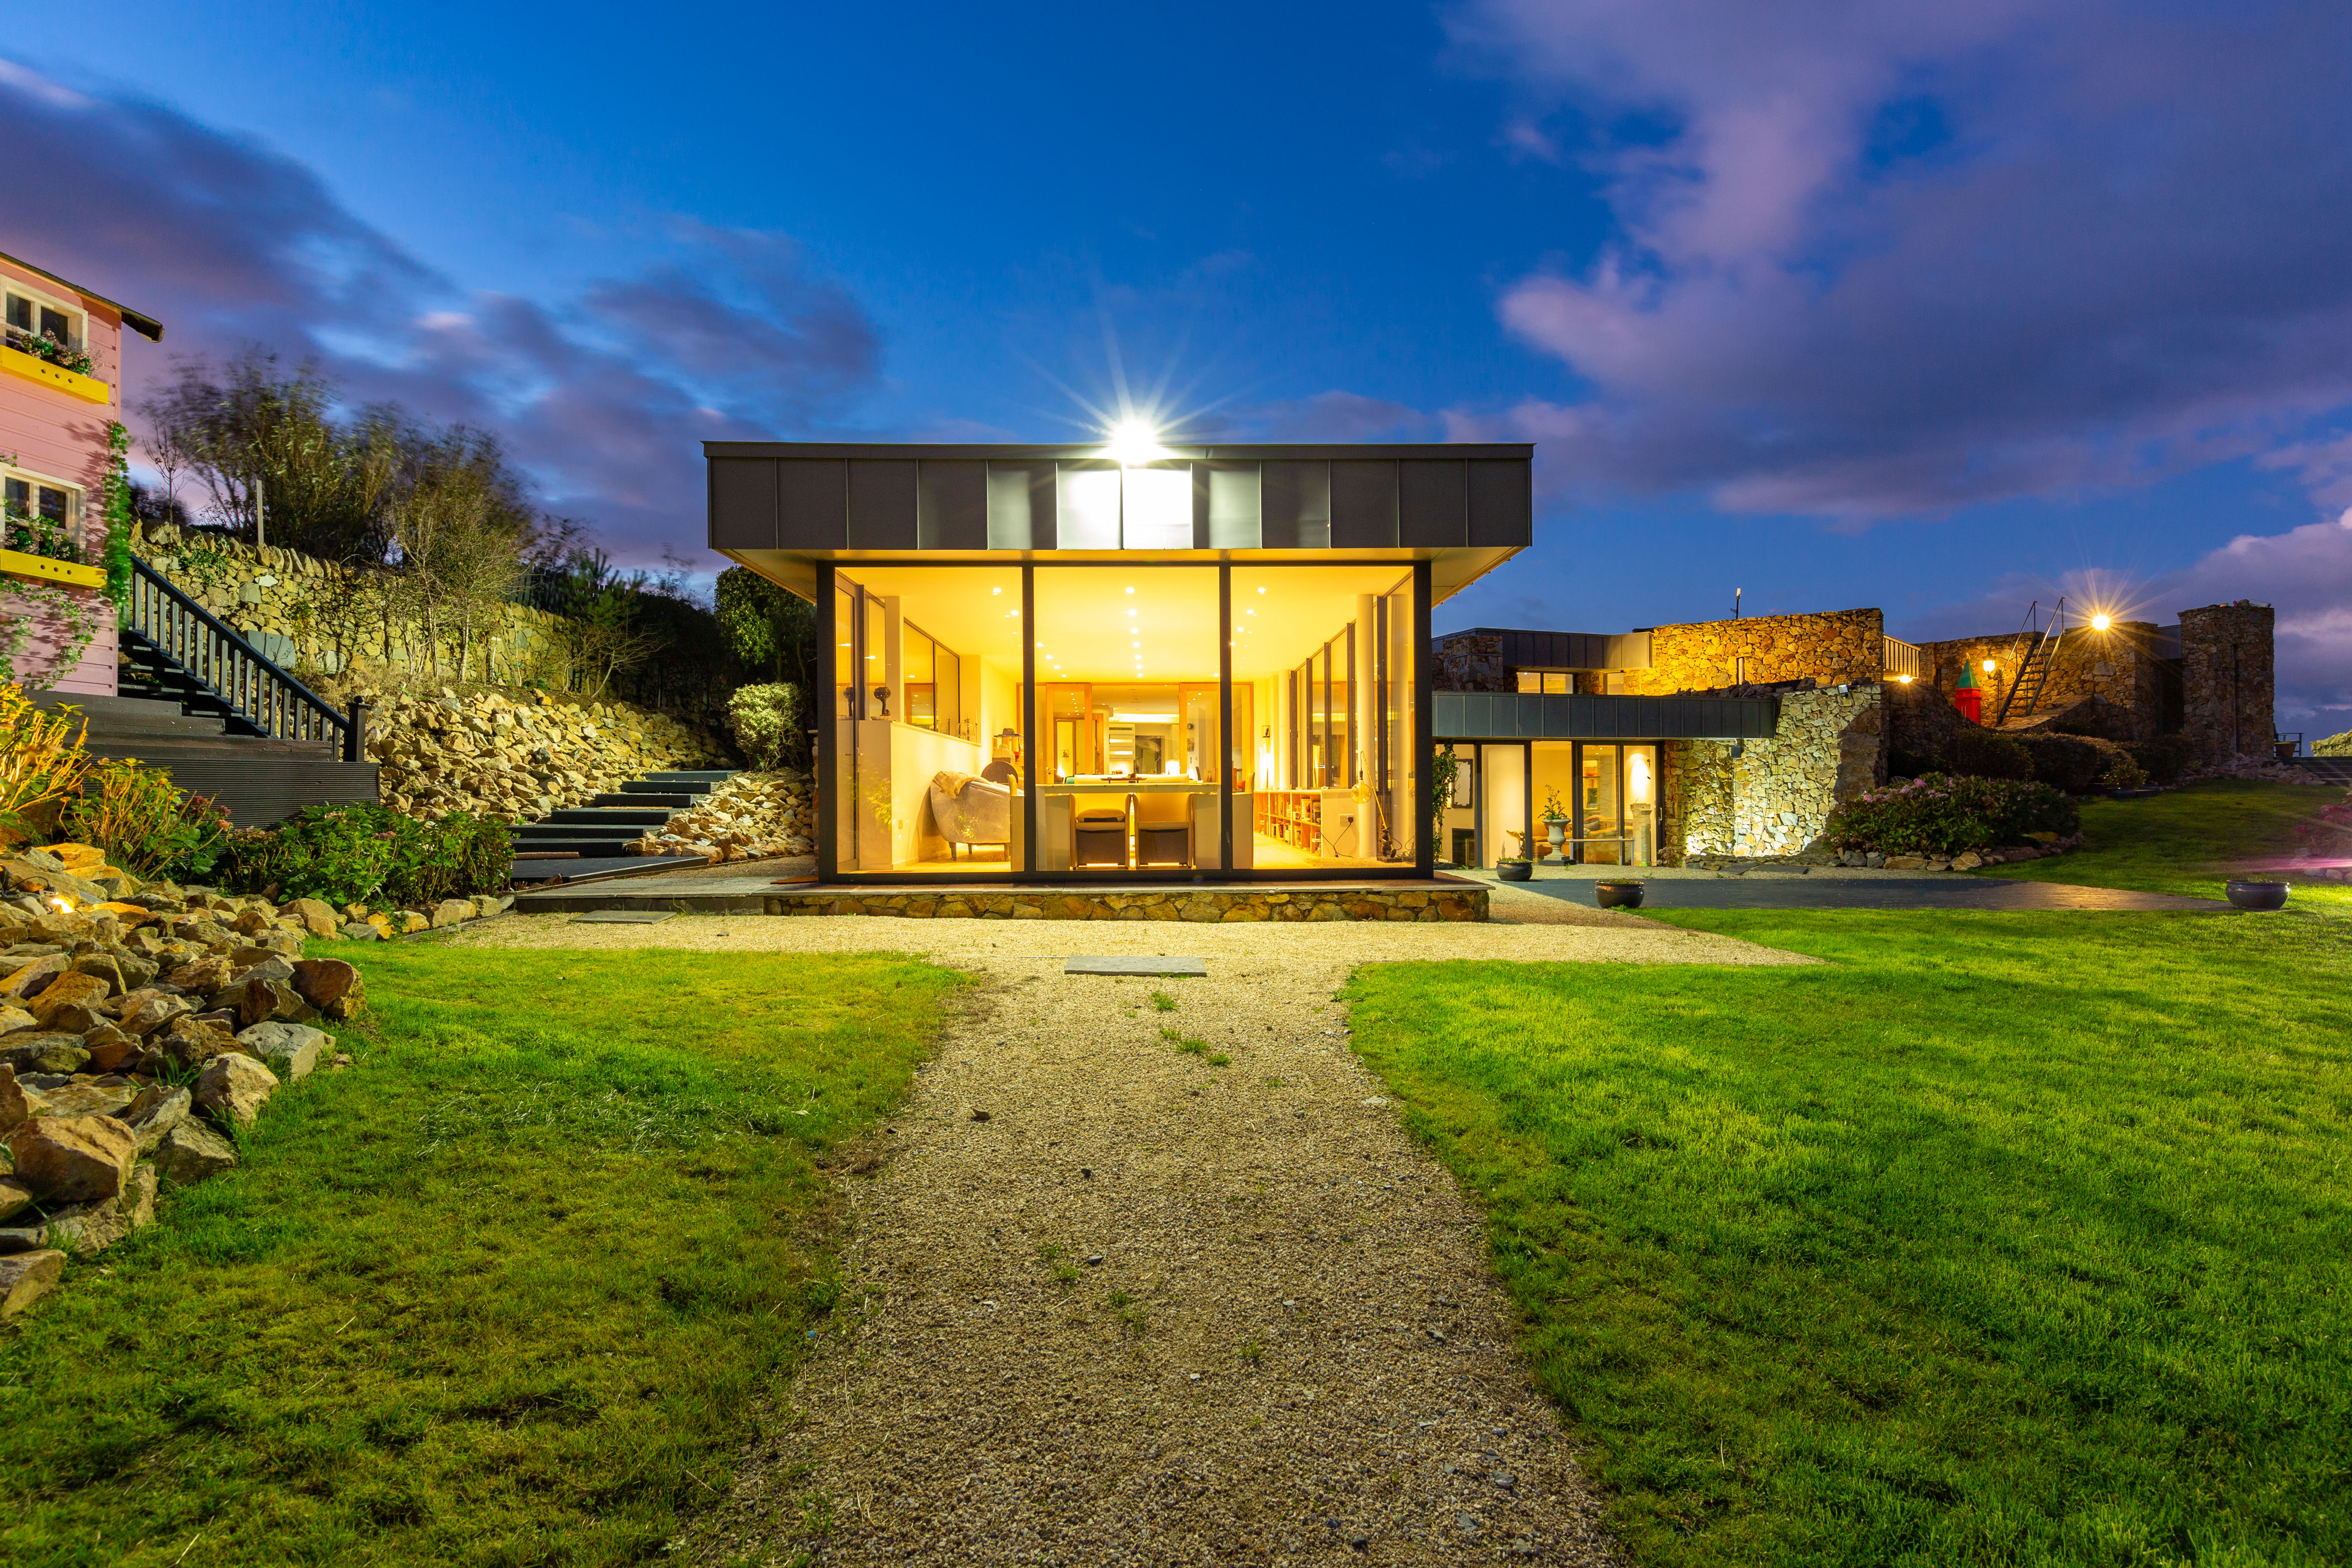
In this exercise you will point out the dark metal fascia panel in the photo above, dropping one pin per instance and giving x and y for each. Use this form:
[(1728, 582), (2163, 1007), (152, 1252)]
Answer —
[(952, 506), (812, 506), (743, 503), (1364, 504), (1433, 505), (1525, 716), (882, 506), (1502, 502), (1516, 452)]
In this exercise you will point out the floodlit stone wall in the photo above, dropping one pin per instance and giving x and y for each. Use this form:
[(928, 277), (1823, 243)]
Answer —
[(2118, 666), (1833, 648), (1773, 798), (2227, 674), (1467, 663)]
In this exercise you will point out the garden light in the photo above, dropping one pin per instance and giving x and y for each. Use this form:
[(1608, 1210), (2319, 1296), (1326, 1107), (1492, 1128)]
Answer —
[(1988, 667)]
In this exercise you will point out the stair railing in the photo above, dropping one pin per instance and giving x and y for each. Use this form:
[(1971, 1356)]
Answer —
[(218, 660), (2038, 647)]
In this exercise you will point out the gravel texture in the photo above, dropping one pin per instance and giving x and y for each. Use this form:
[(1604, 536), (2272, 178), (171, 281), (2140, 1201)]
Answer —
[(1108, 1302)]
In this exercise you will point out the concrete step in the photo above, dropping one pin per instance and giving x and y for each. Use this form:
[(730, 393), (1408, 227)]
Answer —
[(627, 797), (687, 789), (611, 816), (710, 776)]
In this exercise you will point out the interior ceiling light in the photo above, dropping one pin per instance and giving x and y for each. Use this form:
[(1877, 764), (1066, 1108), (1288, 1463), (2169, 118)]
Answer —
[(1133, 441)]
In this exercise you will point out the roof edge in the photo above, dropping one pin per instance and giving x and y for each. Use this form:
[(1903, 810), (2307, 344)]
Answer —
[(139, 322), (1183, 452)]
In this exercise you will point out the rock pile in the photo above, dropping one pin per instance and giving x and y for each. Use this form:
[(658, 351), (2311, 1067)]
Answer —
[(518, 757), (747, 817), (1967, 860), (138, 1024)]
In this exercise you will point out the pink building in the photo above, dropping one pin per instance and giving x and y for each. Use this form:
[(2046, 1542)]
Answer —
[(60, 393)]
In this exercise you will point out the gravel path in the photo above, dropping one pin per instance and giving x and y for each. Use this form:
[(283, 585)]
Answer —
[(1154, 1309)]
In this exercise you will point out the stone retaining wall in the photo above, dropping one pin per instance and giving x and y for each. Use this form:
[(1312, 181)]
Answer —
[(1200, 905), (1774, 797), (2119, 665), (2227, 673), (1832, 649)]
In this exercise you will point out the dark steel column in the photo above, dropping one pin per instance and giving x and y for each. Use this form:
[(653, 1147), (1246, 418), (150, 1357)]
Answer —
[(1224, 720), (1028, 720), (1424, 743), (828, 863)]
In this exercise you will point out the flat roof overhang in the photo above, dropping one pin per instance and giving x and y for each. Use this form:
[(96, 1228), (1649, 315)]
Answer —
[(782, 508), (1528, 716)]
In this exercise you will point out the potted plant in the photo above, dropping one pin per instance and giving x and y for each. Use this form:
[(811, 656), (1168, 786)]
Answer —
[(1555, 818), (2258, 894), (1619, 893), (1515, 868)]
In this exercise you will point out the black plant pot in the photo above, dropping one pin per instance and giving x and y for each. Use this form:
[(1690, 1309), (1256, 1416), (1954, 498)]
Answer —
[(1514, 870), (1617, 895), (2258, 895)]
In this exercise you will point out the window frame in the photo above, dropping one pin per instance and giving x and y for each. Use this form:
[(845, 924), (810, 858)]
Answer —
[(34, 482), (77, 316)]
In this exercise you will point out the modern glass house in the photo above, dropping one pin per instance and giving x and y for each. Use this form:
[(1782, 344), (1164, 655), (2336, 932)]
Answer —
[(1050, 664)]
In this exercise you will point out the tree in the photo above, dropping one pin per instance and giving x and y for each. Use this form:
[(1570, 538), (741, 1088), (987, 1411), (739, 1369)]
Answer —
[(766, 626), (460, 525)]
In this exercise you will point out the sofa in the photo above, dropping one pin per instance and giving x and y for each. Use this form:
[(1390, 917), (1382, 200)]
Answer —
[(969, 810)]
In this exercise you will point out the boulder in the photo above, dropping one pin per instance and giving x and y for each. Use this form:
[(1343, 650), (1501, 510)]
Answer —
[(360, 931), (192, 1042), (291, 1050), (91, 1099), (40, 1051), (76, 1158), (452, 911), (190, 1151), (235, 1086), (159, 1108), (260, 1000), (69, 990), (26, 1277), (14, 1195), (94, 1227), (317, 916), (28, 979), (16, 1105), (204, 976), (332, 985), (153, 1010), (13, 1017)]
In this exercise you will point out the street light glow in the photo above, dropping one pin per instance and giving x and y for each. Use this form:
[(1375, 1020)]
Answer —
[(2099, 623)]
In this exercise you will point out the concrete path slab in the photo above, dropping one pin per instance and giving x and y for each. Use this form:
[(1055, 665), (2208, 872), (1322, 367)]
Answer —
[(1130, 964)]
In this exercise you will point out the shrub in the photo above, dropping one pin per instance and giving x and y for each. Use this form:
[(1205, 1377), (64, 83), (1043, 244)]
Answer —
[(2164, 758), (41, 766), (1988, 754), (1908, 765), (2080, 764), (1943, 814), (148, 825), (2329, 834), (355, 854), (764, 719)]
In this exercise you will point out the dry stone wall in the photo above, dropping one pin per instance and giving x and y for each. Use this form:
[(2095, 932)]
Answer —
[(1773, 798), (304, 615), (1834, 648), (2120, 666), (2228, 667), (1467, 663)]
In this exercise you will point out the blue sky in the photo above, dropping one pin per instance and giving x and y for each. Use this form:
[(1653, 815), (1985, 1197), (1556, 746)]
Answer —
[(1898, 304)]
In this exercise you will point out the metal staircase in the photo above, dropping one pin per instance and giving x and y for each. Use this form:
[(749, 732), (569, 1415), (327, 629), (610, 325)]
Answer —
[(2037, 651), (174, 650)]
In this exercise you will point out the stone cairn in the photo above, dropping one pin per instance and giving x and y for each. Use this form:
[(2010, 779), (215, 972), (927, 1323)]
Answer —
[(518, 757), (748, 818), (140, 1022)]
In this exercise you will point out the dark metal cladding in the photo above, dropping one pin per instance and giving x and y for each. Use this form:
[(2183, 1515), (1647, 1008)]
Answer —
[(1435, 504), (1527, 716), (952, 506), (882, 506), (812, 505), (742, 504)]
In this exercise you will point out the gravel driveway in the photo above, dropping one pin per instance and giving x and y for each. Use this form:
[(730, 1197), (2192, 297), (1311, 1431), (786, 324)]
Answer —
[(1154, 1309)]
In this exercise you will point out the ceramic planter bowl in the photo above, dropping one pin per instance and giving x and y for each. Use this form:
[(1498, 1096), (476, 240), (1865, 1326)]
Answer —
[(2258, 895), (1617, 895), (1515, 871)]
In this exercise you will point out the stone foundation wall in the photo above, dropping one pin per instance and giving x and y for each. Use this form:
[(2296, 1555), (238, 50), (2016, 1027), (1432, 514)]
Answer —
[(1199, 905), (1774, 797), (1832, 648), (2227, 671), (2119, 665)]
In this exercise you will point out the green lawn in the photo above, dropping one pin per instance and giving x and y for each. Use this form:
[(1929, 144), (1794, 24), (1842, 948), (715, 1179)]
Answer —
[(2188, 841), (2004, 1238), (502, 1294)]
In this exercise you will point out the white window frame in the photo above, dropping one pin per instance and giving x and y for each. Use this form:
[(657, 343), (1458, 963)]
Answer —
[(42, 481), (77, 317)]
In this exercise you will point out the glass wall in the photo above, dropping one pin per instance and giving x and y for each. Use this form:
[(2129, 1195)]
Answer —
[(1138, 740), (1128, 693), (928, 737), (1324, 670)]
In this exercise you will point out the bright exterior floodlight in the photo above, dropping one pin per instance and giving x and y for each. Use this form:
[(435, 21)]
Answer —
[(1133, 441), (2099, 623), (1988, 667)]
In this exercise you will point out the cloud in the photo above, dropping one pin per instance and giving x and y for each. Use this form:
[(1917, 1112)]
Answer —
[(604, 398), (1335, 416), (1874, 258)]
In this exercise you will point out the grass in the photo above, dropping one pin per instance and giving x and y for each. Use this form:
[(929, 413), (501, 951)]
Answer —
[(2002, 1238), (503, 1293), (2189, 841)]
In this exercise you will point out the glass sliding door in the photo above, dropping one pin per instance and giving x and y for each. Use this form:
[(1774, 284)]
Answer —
[(1129, 695)]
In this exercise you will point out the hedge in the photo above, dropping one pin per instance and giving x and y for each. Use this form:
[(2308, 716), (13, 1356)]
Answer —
[(368, 854), (1944, 815)]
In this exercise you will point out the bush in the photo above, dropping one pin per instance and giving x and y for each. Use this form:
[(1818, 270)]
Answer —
[(2081, 764), (148, 825), (2164, 758), (367, 853), (1907, 765), (1943, 814), (1988, 754), (765, 722)]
